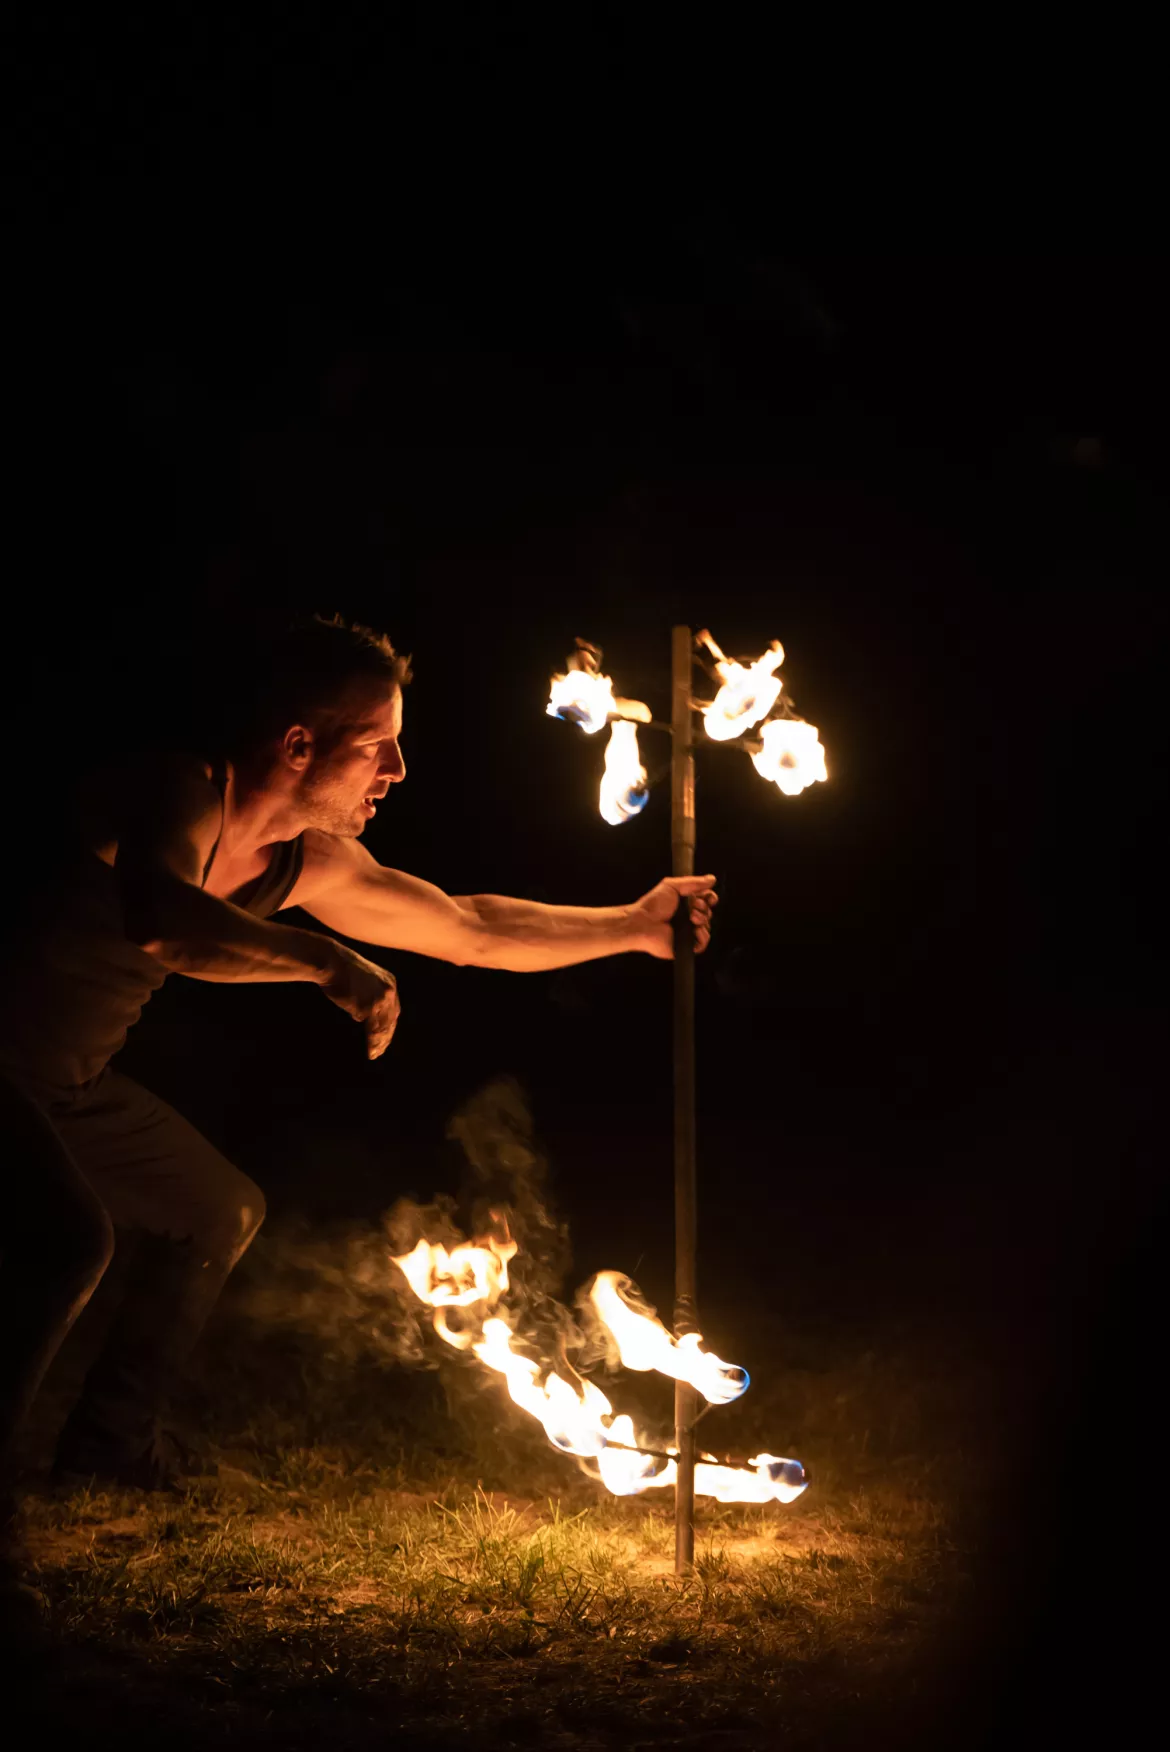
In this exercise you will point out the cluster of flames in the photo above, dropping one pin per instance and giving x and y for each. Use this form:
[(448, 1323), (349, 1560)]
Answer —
[(584, 696), (786, 750), (576, 1415)]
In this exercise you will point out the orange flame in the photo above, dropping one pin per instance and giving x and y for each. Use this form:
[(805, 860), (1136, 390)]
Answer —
[(578, 1418), (572, 1421), (584, 696), (790, 755), (772, 1479), (456, 1280), (644, 1343), (747, 694), (623, 783)]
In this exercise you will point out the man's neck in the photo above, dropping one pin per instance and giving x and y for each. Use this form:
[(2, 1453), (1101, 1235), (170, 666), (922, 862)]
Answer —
[(259, 811)]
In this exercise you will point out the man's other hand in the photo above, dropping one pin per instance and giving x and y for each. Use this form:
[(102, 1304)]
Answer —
[(655, 913), (366, 992)]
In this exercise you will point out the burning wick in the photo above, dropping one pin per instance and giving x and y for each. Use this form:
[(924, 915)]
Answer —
[(766, 1478), (790, 754), (456, 1280), (584, 696), (643, 1343), (624, 787), (747, 694), (582, 699), (578, 1419), (790, 1471)]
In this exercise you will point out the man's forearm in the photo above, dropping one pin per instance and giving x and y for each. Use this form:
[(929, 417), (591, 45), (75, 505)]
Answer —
[(525, 936), (198, 934)]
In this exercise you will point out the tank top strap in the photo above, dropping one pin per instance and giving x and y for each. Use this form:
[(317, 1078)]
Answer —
[(279, 880)]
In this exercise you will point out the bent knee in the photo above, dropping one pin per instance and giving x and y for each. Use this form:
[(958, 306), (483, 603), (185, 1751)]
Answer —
[(231, 1224), (251, 1210)]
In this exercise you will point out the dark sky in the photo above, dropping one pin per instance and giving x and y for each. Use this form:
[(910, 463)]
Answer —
[(927, 1023)]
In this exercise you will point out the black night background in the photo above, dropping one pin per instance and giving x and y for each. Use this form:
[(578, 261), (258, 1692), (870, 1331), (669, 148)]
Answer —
[(928, 1040)]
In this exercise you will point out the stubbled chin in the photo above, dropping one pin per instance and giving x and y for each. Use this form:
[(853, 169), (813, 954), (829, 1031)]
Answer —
[(352, 827)]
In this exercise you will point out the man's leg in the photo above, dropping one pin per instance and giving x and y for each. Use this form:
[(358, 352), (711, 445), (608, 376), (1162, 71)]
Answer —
[(55, 1243), (56, 1240), (195, 1215)]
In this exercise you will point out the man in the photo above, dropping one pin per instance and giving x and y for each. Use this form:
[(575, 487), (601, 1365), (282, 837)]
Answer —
[(183, 875)]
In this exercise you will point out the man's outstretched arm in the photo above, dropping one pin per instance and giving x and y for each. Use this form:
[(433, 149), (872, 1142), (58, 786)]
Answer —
[(347, 890)]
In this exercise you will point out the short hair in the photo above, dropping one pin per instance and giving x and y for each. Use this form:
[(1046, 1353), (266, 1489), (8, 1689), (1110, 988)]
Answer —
[(316, 671)]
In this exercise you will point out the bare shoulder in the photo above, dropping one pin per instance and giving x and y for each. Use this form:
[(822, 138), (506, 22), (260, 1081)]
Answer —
[(330, 862), (329, 859)]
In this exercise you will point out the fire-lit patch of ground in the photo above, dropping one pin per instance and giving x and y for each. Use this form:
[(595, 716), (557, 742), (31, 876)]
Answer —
[(312, 1589)]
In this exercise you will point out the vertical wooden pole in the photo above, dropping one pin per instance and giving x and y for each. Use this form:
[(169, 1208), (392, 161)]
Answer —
[(682, 836)]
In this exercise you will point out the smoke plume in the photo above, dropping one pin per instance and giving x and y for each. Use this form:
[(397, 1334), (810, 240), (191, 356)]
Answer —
[(338, 1288)]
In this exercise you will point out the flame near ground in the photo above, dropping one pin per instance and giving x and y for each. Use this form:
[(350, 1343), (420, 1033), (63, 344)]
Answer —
[(575, 1414)]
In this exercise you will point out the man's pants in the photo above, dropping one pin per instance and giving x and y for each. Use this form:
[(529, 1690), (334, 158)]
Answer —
[(109, 1158)]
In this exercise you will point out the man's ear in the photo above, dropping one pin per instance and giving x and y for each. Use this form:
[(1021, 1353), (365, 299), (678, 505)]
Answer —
[(297, 747)]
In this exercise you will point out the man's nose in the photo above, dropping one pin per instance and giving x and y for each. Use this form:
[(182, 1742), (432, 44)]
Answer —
[(393, 767)]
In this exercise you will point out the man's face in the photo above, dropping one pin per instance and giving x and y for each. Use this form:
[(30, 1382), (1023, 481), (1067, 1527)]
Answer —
[(341, 789)]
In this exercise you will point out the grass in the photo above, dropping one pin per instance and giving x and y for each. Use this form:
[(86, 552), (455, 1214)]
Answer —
[(436, 1574)]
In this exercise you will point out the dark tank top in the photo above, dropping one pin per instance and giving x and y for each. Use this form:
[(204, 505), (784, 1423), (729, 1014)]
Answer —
[(76, 985)]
